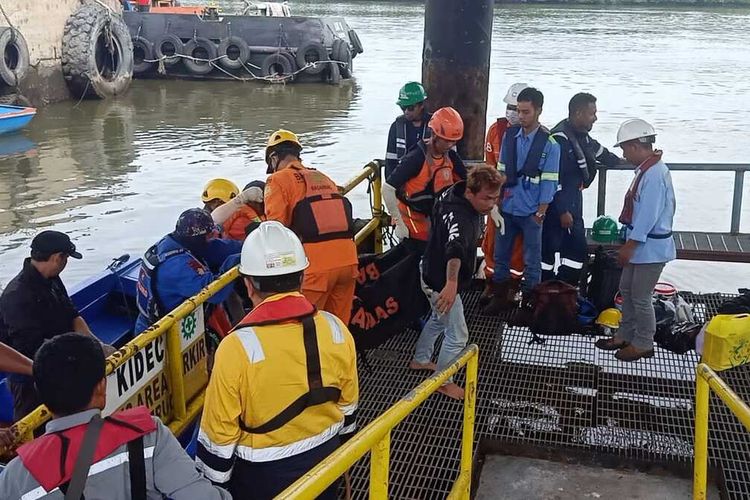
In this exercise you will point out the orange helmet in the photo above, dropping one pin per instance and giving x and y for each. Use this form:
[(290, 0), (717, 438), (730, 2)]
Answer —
[(447, 124)]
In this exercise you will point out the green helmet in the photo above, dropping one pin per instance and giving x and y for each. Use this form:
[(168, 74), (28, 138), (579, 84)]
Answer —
[(605, 229), (411, 93)]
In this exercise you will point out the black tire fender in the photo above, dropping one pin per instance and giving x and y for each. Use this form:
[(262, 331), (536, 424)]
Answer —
[(341, 52), (200, 48), (143, 51), (274, 62), (163, 46), (14, 56), (233, 45), (333, 74), (356, 42), (91, 66), (312, 52)]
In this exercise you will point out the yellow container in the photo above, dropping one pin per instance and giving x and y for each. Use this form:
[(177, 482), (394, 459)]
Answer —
[(727, 342)]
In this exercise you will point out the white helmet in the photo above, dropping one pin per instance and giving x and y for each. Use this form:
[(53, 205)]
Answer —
[(272, 250), (635, 128), (512, 96)]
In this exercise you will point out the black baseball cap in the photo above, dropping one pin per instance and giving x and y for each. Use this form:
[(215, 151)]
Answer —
[(49, 242)]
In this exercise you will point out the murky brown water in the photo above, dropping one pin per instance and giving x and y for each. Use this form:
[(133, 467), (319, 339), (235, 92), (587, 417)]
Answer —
[(116, 174)]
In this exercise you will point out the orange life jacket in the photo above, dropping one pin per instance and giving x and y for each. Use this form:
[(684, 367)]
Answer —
[(323, 214)]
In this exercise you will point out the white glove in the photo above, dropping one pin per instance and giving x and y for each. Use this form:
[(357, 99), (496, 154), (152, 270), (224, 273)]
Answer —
[(498, 219), (401, 231), (252, 194)]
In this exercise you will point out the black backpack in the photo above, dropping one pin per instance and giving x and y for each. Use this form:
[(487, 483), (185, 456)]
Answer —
[(555, 309), (604, 280)]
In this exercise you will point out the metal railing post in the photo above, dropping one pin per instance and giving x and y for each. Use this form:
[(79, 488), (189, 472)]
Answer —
[(175, 371), (467, 440), (377, 206), (379, 466), (601, 198), (700, 470), (739, 183)]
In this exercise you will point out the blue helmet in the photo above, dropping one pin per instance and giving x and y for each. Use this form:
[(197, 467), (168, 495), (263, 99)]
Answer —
[(194, 222)]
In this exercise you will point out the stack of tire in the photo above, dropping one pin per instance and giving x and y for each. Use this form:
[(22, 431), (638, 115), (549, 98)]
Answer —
[(14, 58), (97, 53)]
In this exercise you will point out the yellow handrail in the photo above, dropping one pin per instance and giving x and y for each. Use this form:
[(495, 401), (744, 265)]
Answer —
[(376, 436), (707, 380), (183, 411)]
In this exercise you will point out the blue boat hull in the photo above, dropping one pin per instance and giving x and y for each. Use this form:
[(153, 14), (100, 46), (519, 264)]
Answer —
[(13, 118)]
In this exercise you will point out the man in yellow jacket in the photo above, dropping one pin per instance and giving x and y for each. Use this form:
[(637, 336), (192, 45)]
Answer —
[(284, 384)]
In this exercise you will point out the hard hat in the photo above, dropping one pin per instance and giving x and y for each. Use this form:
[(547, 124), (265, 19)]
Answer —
[(219, 189), (194, 222), (447, 124), (512, 96), (272, 250), (280, 136), (411, 93), (610, 318), (605, 229), (635, 128)]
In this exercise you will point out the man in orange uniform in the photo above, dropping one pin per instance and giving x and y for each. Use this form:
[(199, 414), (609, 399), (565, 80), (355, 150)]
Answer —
[(309, 203), (495, 135), (423, 173)]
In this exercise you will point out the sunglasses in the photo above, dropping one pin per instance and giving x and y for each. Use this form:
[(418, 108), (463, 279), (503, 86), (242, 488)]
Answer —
[(408, 108)]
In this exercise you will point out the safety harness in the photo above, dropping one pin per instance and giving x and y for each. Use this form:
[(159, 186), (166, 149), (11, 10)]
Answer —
[(536, 154)]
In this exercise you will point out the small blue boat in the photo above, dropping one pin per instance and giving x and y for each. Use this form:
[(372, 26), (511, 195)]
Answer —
[(14, 118)]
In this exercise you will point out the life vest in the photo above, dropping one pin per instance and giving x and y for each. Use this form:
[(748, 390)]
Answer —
[(50, 459), (147, 297), (293, 308), (324, 214), (584, 156), (419, 192), (401, 139), (530, 168)]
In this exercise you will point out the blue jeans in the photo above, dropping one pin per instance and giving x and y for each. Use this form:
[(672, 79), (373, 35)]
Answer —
[(532, 249), (452, 323)]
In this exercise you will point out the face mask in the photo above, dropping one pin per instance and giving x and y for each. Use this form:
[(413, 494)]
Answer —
[(512, 116)]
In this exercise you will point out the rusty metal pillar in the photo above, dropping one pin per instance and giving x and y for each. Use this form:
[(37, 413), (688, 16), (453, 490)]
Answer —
[(456, 64)]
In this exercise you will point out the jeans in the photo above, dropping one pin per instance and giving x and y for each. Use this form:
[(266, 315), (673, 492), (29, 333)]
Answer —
[(452, 323), (638, 324), (532, 249)]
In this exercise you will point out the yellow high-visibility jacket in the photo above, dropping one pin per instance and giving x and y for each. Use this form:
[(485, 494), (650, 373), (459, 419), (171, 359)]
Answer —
[(260, 369)]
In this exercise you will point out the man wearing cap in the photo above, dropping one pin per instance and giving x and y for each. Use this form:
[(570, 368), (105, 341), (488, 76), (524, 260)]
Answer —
[(35, 306), (181, 264), (410, 127), (647, 216)]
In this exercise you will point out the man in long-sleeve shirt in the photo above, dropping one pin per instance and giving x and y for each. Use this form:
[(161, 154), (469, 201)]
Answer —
[(530, 160), (564, 229), (410, 127)]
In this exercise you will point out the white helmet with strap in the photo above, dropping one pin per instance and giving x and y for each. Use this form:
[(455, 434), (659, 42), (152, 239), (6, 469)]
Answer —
[(512, 96), (633, 129), (272, 250)]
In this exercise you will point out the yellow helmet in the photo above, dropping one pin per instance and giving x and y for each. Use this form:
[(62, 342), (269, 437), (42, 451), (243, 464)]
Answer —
[(610, 318), (219, 189), (280, 136)]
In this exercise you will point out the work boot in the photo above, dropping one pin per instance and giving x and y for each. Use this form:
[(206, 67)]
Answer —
[(486, 296), (610, 344), (631, 353), (502, 299)]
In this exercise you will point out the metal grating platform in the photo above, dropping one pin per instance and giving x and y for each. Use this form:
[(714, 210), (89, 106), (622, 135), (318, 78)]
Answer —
[(563, 394)]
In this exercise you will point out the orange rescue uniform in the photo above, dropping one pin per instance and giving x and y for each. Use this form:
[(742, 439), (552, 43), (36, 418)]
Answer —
[(330, 279), (234, 226), (491, 157)]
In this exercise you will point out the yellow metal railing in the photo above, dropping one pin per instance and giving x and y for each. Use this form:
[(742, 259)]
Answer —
[(706, 381), (186, 407), (376, 437)]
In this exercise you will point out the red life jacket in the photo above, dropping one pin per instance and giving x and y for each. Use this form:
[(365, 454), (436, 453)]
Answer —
[(626, 216), (324, 214), (51, 457)]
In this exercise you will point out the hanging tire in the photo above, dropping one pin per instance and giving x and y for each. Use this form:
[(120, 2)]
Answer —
[(169, 48), (341, 52), (333, 75), (356, 43), (91, 65), (236, 50), (276, 64), (200, 48), (14, 56), (312, 52), (143, 51)]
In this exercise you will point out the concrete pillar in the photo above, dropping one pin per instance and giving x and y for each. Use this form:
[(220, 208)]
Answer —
[(456, 64)]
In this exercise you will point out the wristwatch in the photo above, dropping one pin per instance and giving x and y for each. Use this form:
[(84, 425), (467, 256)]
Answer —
[(540, 215)]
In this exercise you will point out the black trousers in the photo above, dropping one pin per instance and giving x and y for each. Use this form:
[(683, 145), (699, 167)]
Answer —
[(265, 480)]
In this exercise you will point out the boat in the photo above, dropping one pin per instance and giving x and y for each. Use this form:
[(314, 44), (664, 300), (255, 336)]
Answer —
[(14, 118)]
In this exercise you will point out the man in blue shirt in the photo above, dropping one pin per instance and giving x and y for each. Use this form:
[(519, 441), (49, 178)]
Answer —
[(530, 162), (647, 217)]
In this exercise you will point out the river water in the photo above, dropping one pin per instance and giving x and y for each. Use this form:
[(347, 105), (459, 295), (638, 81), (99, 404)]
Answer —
[(116, 174)]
